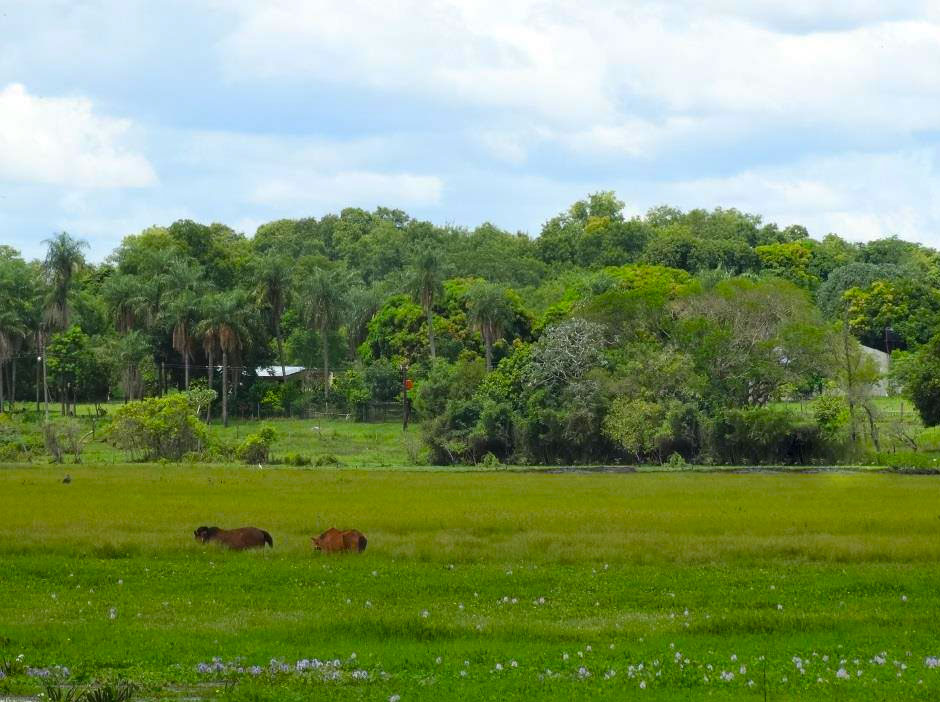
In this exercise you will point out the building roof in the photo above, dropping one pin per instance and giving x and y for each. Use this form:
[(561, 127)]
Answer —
[(275, 371)]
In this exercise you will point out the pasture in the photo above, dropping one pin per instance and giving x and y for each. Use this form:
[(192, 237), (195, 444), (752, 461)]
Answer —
[(490, 585)]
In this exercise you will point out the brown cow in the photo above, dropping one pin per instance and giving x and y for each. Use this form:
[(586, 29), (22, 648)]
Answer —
[(238, 539), (333, 540)]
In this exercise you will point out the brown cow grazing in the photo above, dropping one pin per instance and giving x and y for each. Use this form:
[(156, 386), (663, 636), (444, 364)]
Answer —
[(239, 539), (334, 541)]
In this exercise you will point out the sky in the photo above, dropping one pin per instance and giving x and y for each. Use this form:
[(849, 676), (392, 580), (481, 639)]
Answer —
[(116, 115)]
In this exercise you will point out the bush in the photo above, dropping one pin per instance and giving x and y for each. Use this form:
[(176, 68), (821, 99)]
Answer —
[(922, 381), (676, 460), (763, 435), (159, 428), (65, 436), (256, 447), (491, 461), (831, 413), (327, 459), (296, 459), (353, 389)]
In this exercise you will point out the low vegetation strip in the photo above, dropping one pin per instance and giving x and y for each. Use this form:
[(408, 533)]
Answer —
[(474, 585)]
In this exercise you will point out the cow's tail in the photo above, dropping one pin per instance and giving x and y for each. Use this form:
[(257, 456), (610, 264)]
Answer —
[(362, 543), (267, 539)]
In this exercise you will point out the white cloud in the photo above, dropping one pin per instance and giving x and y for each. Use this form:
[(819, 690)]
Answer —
[(62, 141), (586, 65), (860, 196)]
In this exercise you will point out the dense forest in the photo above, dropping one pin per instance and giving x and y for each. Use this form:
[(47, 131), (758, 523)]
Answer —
[(671, 337)]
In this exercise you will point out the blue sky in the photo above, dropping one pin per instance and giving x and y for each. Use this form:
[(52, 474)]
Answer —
[(115, 116)]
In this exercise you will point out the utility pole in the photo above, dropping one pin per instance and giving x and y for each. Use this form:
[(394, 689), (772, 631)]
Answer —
[(405, 404)]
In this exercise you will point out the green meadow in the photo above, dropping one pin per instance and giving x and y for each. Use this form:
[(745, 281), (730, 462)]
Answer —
[(475, 585)]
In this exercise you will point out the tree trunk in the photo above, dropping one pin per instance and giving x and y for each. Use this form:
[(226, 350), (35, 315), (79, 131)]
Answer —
[(236, 372), (45, 381), (280, 349), (431, 332), (1, 388), (488, 344), (186, 368), (224, 388), (326, 361), (38, 346), (13, 385), (209, 403)]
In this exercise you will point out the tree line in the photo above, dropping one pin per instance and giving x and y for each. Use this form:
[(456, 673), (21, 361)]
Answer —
[(667, 336)]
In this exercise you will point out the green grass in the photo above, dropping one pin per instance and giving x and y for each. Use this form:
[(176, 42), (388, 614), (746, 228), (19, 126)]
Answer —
[(350, 443), (477, 569)]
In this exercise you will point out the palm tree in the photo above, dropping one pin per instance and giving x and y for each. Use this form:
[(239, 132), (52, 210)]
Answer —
[(10, 328), (127, 299), (426, 285), (223, 327), (130, 351), (363, 303), (273, 290), (17, 297), (489, 311), (64, 258), (180, 309), (325, 298)]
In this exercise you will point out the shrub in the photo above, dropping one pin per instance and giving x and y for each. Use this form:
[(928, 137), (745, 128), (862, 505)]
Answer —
[(327, 459), (635, 425), (491, 461), (256, 447), (765, 435), (296, 459), (65, 436), (832, 414), (353, 389), (676, 460), (921, 376), (159, 428)]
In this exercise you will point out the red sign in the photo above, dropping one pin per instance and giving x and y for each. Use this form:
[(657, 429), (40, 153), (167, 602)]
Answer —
[(409, 384)]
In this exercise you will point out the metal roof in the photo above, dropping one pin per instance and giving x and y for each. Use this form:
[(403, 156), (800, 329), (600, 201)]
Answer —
[(275, 371)]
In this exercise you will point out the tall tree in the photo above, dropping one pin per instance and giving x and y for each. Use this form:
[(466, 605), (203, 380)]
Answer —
[(426, 285), (324, 300), (126, 297), (224, 327), (130, 351), (273, 287), (185, 289), (63, 260), (17, 293), (490, 311)]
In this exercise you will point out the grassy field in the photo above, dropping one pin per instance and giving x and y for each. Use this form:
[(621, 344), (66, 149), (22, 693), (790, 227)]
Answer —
[(490, 585), (330, 441)]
